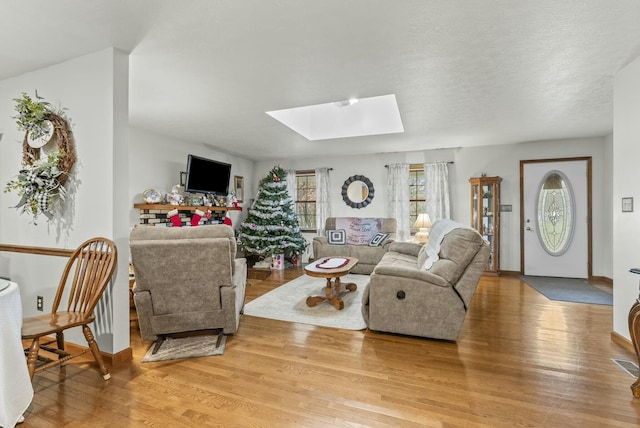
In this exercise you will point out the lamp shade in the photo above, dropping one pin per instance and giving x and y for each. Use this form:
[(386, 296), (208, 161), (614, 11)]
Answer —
[(423, 221)]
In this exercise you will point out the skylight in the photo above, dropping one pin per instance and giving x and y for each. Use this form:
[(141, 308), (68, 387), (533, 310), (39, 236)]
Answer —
[(348, 118)]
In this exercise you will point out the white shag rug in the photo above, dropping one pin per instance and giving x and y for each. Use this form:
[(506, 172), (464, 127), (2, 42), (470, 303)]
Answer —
[(288, 303)]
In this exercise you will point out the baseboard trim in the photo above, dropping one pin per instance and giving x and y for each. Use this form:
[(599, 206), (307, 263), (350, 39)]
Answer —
[(510, 273), (109, 359), (123, 356), (623, 342), (604, 279)]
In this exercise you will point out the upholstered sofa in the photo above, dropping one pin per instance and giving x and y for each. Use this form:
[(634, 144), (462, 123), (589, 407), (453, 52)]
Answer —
[(359, 234), (187, 279), (426, 290)]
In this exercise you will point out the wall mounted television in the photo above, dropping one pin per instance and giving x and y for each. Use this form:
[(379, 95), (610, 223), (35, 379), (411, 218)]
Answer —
[(207, 176)]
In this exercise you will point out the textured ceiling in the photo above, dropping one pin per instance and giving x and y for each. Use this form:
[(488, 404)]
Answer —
[(465, 72)]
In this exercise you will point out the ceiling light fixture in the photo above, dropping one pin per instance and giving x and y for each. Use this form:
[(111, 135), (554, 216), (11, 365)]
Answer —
[(346, 103)]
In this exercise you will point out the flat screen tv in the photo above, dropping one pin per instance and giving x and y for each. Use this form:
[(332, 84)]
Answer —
[(207, 176)]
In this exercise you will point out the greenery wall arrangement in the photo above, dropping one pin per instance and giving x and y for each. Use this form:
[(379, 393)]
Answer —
[(48, 156)]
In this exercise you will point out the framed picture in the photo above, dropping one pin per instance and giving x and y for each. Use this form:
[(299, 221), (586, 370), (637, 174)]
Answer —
[(627, 205), (238, 187), (183, 178)]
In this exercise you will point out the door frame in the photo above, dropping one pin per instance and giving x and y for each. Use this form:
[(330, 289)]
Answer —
[(589, 213)]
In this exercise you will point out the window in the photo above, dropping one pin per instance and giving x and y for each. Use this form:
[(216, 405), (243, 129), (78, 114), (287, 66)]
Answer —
[(306, 200), (417, 193), (556, 213)]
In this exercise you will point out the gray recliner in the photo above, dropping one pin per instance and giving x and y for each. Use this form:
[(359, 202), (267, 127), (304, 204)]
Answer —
[(187, 279), (412, 293)]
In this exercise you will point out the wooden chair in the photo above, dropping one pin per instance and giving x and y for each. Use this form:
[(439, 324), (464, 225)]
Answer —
[(88, 272)]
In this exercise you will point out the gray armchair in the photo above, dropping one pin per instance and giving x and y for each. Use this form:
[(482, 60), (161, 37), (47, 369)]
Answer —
[(404, 296), (187, 279)]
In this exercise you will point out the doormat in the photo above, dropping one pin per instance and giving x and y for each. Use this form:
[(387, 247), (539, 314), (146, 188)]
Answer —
[(568, 289)]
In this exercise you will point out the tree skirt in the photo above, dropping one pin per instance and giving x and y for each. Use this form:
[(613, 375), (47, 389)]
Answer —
[(288, 303)]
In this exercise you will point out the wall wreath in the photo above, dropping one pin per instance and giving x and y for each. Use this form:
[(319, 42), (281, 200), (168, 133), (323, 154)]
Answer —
[(48, 157)]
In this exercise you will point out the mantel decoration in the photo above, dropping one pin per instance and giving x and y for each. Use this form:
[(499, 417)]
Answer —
[(48, 156)]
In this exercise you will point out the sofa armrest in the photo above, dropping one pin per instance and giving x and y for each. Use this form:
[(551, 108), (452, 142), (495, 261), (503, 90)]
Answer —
[(408, 248), (387, 244), (320, 239), (416, 274)]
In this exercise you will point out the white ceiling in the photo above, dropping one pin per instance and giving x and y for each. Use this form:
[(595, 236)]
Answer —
[(464, 72)]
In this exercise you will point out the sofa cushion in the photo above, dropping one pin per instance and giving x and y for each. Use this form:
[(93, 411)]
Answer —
[(368, 255), (336, 237), (395, 259), (378, 239)]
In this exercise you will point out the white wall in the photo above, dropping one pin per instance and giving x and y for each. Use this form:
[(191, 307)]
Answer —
[(626, 176), (500, 160), (92, 88), (157, 160)]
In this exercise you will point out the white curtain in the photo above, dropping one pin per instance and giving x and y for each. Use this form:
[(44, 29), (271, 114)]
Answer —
[(292, 187), (398, 198), (436, 176), (323, 208)]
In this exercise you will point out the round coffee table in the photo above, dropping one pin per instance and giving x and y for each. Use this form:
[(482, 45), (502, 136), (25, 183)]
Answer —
[(331, 268)]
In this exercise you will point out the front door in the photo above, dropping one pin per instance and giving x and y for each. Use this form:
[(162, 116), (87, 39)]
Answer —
[(555, 217)]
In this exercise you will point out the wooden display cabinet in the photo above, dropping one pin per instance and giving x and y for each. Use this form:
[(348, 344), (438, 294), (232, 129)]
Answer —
[(485, 216)]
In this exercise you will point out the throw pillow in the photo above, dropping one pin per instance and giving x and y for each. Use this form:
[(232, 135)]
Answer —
[(378, 239), (337, 237)]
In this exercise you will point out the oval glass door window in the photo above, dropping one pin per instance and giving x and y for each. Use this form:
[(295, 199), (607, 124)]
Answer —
[(555, 213)]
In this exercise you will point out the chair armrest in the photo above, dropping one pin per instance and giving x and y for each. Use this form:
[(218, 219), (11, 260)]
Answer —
[(409, 248), (415, 274), (144, 309)]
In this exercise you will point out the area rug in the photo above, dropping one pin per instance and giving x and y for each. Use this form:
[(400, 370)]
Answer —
[(186, 347), (288, 303), (568, 289)]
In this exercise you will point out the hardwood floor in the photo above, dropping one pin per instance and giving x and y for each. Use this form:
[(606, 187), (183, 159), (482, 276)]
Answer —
[(520, 360)]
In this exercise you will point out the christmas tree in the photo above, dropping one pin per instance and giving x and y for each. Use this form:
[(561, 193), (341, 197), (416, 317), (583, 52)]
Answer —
[(271, 226)]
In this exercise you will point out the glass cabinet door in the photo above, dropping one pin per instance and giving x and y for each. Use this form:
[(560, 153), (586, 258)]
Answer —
[(485, 197)]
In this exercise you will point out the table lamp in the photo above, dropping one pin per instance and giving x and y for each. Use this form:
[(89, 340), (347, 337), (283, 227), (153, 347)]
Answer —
[(423, 223)]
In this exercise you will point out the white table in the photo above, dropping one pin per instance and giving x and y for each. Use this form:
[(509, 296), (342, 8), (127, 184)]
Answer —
[(16, 391)]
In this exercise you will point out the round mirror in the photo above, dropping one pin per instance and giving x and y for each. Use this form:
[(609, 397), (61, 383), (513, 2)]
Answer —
[(357, 191)]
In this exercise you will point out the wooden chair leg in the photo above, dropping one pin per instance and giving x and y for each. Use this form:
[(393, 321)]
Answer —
[(95, 350), (634, 331), (32, 356), (158, 343), (60, 342)]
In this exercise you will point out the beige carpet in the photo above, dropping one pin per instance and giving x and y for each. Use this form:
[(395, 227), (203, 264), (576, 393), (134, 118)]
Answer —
[(186, 347), (288, 303)]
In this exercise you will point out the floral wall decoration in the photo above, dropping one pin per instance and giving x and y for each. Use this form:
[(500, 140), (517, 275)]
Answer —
[(48, 157)]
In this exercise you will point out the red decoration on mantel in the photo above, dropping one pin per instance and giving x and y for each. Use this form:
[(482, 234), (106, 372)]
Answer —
[(175, 218), (227, 220), (197, 215)]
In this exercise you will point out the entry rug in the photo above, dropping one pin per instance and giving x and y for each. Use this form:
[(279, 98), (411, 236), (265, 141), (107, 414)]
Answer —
[(186, 347), (288, 303), (568, 289)]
